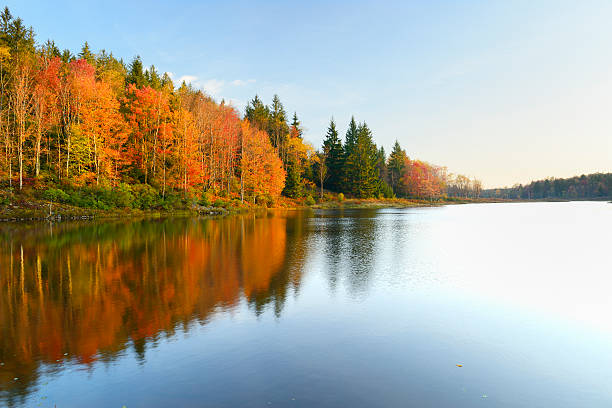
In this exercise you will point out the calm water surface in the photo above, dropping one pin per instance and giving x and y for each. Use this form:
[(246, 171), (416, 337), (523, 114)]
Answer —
[(328, 309)]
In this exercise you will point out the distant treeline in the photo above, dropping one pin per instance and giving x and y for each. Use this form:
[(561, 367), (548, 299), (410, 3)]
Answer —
[(591, 186)]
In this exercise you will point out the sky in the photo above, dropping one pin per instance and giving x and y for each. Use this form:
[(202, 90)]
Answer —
[(504, 91)]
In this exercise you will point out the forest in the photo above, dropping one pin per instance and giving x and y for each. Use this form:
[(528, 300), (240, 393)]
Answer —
[(592, 186), (93, 131)]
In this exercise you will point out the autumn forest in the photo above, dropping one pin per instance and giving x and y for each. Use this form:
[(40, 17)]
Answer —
[(94, 131)]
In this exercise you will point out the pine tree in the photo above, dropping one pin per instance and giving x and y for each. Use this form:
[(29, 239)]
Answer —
[(154, 79), (277, 127), (351, 136), (136, 73), (334, 157), (295, 123), (67, 56), (166, 82), (384, 189), (293, 182), (361, 174), (87, 55), (395, 167), (257, 113)]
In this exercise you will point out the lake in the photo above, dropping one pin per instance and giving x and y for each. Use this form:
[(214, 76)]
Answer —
[(493, 305)]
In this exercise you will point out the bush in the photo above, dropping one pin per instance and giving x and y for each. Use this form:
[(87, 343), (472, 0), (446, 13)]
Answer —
[(219, 203), (340, 197), (206, 199), (122, 196), (5, 199), (171, 201), (145, 196), (309, 200), (56, 195), (265, 199)]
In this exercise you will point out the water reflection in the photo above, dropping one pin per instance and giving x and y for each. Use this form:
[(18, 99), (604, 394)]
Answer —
[(84, 293), (354, 308)]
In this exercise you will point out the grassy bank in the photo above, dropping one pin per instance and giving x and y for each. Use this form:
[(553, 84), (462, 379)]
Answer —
[(56, 204)]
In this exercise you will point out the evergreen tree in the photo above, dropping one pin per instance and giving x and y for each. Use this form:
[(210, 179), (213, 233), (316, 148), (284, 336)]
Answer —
[(334, 157), (87, 55), (293, 182), (277, 127), (257, 113), (395, 166), (384, 189), (295, 123), (5, 20), (136, 73), (166, 82), (154, 79), (50, 50), (361, 174), (351, 136), (67, 56)]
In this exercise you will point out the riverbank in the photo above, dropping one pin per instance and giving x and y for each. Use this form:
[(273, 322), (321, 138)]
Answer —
[(28, 207)]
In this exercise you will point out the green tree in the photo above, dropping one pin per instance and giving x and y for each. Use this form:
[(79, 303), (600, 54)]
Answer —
[(153, 78), (293, 182), (257, 113), (136, 74), (361, 174), (395, 166), (87, 55), (295, 123), (278, 130), (334, 157)]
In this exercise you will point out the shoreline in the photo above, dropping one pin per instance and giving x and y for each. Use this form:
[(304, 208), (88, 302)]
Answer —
[(38, 210)]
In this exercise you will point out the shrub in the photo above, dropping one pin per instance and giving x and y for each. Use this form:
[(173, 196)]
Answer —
[(340, 197), (171, 201), (219, 203), (206, 199), (309, 200), (265, 199), (5, 199), (122, 196), (57, 195), (145, 196)]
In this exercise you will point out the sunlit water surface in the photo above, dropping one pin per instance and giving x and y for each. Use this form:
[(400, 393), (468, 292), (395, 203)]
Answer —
[(346, 308)]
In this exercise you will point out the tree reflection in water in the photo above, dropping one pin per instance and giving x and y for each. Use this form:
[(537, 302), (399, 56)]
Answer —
[(86, 292)]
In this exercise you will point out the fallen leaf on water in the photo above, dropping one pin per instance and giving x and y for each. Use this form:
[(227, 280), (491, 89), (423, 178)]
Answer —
[(459, 365)]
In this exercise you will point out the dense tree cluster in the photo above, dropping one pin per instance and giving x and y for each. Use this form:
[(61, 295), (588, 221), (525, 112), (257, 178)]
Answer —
[(359, 168), (90, 122), (591, 186)]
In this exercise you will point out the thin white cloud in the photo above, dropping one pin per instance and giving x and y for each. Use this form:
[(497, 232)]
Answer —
[(212, 86), (242, 82), (189, 79)]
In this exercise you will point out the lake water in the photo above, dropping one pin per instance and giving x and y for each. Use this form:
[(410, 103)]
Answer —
[(353, 308)]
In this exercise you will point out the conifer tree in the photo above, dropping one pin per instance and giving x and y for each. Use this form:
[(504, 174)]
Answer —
[(87, 55), (154, 79), (257, 113), (334, 157), (361, 174), (278, 128), (136, 73), (295, 123), (395, 166)]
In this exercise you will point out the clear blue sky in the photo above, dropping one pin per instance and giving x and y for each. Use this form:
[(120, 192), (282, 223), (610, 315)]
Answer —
[(506, 91)]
